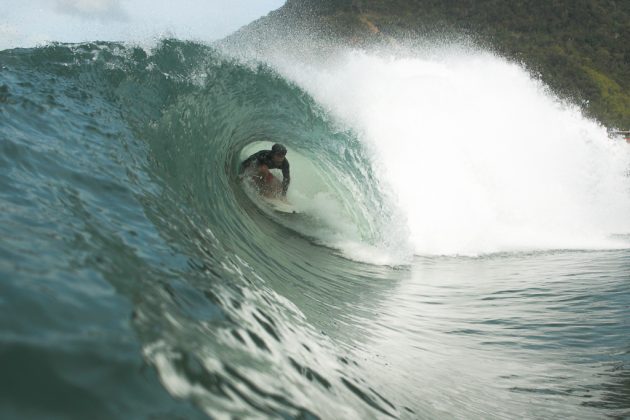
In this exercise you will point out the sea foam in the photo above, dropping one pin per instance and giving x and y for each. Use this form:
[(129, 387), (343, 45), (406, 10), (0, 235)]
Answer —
[(480, 157)]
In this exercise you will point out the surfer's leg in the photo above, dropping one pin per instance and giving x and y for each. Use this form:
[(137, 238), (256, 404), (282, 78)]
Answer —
[(275, 186), (258, 177), (270, 186), (265, 182)]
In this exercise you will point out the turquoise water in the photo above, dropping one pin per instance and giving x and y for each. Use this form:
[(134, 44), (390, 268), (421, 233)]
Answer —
[(139, 280)]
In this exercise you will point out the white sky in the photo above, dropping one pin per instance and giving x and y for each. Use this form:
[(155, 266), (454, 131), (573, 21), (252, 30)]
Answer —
[(25, 23)]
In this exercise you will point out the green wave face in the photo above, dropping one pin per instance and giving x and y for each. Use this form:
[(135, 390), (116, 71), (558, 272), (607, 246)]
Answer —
[(123, 177)]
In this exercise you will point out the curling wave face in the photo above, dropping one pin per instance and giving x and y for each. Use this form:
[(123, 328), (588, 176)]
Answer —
[(124, 164)]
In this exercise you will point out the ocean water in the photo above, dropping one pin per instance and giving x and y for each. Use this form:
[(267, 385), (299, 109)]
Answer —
[(462, 247)]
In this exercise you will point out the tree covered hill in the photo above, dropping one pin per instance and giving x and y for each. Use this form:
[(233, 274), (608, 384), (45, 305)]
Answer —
[(580, 48)]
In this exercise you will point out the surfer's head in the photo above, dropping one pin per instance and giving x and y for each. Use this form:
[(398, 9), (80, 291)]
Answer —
[(278, 152)]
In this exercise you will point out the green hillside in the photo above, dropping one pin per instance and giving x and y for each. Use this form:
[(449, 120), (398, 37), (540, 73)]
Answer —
[(581, 48)]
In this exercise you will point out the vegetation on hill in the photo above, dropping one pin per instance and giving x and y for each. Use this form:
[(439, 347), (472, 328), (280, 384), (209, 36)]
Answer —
[(580, 48)]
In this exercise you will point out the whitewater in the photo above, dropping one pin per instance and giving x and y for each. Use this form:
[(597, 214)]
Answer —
[(462, 247), (479, 156)]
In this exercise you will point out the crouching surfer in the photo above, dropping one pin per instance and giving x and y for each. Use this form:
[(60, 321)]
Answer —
[(257, 168)]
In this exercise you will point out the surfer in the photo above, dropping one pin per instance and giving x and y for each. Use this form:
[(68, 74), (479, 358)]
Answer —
[(258, 166)]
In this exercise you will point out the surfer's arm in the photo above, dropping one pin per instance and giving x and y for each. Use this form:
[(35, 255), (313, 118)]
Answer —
[(286, 177), (246, 164), (264, 173), (263, 170)]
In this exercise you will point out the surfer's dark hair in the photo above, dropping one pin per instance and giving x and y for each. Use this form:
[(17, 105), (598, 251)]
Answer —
[(279, 148)]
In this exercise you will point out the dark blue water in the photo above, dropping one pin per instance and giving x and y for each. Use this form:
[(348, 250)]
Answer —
[(138, 279)]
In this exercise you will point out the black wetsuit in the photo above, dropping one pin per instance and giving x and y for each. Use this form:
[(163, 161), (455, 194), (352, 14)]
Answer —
[(264, 157)]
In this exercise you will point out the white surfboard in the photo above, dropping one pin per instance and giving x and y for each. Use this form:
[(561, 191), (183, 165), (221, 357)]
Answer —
[(279, 205)]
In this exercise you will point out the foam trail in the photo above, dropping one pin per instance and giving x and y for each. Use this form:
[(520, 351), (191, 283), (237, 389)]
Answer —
[(480, 157)]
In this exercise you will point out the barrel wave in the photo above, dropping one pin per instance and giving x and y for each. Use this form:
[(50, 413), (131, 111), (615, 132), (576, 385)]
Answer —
[(140, 279), (137, 198)]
